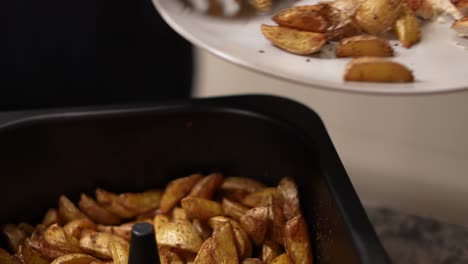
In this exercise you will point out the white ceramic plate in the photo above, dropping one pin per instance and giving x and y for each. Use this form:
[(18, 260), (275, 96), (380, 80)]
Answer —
[(437, 63)]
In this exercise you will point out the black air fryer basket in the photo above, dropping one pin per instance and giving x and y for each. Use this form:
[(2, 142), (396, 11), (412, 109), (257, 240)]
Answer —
[(43, 155)]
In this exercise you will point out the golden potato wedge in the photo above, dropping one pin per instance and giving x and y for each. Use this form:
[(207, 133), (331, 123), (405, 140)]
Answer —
[(141, 202), (233, 209), (462, 6), (176, 190), (293, 40), (205, 255), (372, 69), (56, 236), (97, 244), (201, 208), (261, 5), (282, 259), (168, 256), (159, 221), (288, 195), (75, 258), (74, 227), (252, 261), (270, 250), (111, 202), (421, 8), (96, 212), (255, 224), (29, 256), (14, 235), (207, 187), (377, 16), (179, 213), (461, 27), (241, 184), (297, 242), (68, 211), (259, 198), (313, 18), (364, 45), (7, 258), (225, 249), (276, 219), (204, 230), (44, 249), (119, 252), (180, 234), (407, 28), (124, 231), (51, 217), (242, 240)]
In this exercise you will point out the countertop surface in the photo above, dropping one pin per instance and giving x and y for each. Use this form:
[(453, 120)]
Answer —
[(415, 240)]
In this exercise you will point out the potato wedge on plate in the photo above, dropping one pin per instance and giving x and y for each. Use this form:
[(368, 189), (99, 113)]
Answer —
[(407, 28), (373, 69), (293, 40), (261, 5), (180, 234), (313, 18), (377, 16), (364, 45), (176, 190), (74, 259), (461, 27), (297, 241)]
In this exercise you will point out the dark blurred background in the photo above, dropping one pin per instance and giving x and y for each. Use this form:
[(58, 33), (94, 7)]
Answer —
[(56, 53)]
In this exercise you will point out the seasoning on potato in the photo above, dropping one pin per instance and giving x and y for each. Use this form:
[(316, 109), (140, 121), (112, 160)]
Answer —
[(204, 220)]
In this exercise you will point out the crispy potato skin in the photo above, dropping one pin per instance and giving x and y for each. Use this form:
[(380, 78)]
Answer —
[(313, 18), (233, 209), (96, 212), (407, 28), (205, 255), (293, 40), (372, 69), (364, 45), (297, 241), (207, 187), (289, 198), (75, 258), (223, 240), (255, 223), (201, 208), (176, 190), (180, 234), (461, 26), (377, 16)]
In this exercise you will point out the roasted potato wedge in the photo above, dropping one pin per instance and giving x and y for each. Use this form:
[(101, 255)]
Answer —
[(14, 235), (119, 252), (51, 217), (225, 249), (241, 184), (422, 8), (74, 228), (159, 221), (207, 187), (297, 242), (141, 202), (261, 5), (255, 224), (111, 202), (179, 213), (205, 255), (97, 244), (462, 6), (252, 261), (364, 45), (313, 18), (461, 27), (30, 256), (293, 40), (372, 69), (168, 256), (176, 190), (7, 258), (259, 198), (276, 219), (377, 16), (180, 234), (407, 28), (233, 209), (203, 228), (282, 259), (56, 236), (96, 212), (242, 240), (288, 195), (44, 249), (201, 208), (75, 258), (68, 211), (270, 250)]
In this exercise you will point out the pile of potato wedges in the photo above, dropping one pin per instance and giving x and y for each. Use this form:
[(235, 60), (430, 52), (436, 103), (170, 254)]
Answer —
[(197, 219), (357, 28)]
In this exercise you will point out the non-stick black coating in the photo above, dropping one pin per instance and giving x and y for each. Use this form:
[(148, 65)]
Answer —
[(137, 149)]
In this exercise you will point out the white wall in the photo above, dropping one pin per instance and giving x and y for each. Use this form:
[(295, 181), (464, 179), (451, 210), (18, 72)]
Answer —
[(408, 153)]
